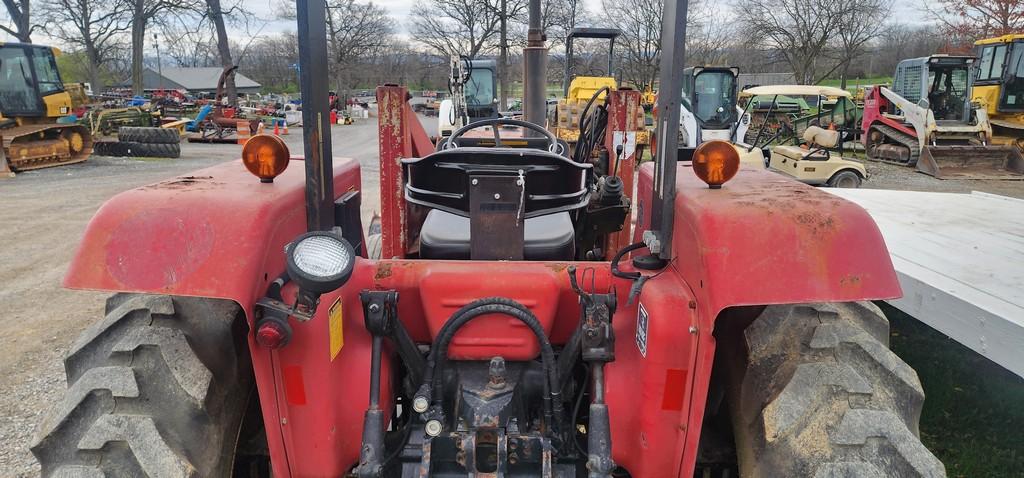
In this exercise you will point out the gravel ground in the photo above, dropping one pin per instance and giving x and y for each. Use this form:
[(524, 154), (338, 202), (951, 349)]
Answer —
[(44, 213)]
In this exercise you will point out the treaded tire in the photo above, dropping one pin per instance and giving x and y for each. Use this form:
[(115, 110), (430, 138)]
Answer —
[(157, 388), (138, 134), (822, 396), (110, 148), (845, 179), (152, 150)]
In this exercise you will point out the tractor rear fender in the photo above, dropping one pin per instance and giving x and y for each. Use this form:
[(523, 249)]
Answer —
[(764, 239), (761, 239), (217, 232)]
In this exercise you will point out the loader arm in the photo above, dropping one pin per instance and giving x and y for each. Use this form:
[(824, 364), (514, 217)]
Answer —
[(920, 118)]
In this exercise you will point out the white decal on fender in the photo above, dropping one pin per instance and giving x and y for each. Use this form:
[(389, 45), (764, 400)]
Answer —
[(641, 330)]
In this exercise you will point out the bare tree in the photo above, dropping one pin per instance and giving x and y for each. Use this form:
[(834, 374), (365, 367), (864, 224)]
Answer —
[(94, 27), (461, 27), (21, 26), (966, 20), (799, 31), (356, 31), (189, 40), (143, 13), (640, 51), (855, 31), (271, 61)]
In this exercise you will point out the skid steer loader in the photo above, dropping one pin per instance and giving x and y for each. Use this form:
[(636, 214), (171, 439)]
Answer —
[(928, 120), (32, 98), (515, 324)]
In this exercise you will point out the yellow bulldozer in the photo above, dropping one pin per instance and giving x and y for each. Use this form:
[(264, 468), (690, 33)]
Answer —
[(999, 86), (32, 100)]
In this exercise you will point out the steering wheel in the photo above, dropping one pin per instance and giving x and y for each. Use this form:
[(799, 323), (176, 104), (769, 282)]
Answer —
[(494, 123)]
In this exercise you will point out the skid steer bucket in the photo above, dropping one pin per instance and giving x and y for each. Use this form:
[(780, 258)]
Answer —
[(972, 162)]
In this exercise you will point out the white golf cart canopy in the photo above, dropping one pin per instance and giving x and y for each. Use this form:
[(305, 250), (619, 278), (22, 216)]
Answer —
[(795, 90)]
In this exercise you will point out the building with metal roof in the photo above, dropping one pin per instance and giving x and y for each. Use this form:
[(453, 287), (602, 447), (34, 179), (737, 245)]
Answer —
[(194, 80)]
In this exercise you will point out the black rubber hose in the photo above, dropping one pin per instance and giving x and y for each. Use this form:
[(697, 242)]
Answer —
[(618, 257), (498, 305), (428, 375), (592, 127)]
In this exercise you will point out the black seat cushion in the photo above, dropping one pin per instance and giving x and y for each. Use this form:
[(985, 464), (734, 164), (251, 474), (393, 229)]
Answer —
[(545, 238)]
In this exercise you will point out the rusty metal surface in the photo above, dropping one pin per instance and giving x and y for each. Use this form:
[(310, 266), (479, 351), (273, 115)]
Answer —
[(972, 162), (625, 121), (35, 146), (400, 135)]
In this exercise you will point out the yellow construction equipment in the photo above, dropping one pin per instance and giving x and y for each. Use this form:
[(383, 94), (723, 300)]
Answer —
[(999, 86), (564, 120), (32, 99)]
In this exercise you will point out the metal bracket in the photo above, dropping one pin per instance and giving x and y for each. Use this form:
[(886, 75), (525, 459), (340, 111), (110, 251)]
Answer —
[(380, 315)]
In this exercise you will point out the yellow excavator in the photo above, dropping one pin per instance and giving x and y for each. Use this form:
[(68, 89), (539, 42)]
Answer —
[(32, 100)]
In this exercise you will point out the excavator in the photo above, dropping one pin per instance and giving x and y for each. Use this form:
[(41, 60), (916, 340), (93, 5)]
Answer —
[(999, 86), (32, 99), (928, 120), (472, 84)]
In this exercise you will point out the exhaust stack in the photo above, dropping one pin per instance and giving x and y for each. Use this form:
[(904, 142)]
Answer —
[(535, 65)]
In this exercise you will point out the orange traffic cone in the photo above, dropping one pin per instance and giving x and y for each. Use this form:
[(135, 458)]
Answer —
[(277, 130), (242, 131), (285, 126)]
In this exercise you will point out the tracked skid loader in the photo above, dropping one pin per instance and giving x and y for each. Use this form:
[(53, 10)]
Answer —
[(928, 121)]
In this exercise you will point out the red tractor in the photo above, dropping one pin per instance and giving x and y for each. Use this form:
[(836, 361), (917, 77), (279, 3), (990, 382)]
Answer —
[(517, 323)]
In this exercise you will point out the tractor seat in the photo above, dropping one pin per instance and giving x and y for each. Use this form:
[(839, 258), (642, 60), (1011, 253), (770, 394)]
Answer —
[(817, 139), (545, 238)]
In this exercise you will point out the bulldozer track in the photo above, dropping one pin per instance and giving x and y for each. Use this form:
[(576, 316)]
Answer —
[(36, 146), (902, 139)]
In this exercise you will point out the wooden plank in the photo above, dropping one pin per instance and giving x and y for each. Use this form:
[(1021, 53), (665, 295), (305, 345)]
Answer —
[(960, 261)]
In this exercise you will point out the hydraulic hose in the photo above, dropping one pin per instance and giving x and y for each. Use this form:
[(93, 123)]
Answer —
[(618, 257), (495, 305), (592, 127)]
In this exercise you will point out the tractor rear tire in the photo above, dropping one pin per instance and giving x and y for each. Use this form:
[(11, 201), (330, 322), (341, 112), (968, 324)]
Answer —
[(822, 396), (157, 388), (153, 150), (136, 134)]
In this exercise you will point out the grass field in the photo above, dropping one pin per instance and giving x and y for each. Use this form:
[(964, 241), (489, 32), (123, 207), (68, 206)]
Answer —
[(973, 417)]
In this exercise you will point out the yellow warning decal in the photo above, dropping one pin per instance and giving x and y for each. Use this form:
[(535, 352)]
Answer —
[(337, 328)]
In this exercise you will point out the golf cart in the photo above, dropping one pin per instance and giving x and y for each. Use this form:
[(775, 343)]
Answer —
[(806, 147)]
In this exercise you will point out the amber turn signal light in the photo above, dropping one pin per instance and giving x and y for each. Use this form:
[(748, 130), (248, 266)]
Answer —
[(265, 156), (716, 162)]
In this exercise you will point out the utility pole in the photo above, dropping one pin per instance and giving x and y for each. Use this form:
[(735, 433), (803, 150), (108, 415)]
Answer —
[(503, 60), (159, 63)]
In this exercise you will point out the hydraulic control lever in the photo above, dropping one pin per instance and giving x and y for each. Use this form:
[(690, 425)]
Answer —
[(380, 315)]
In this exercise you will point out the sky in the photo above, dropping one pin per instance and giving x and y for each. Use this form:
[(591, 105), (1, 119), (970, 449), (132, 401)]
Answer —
[(399, 10)]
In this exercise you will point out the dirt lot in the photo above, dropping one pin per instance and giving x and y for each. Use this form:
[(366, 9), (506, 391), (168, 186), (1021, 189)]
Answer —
[(43, 215)]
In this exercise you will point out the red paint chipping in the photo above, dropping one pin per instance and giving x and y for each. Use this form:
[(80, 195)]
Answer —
[(294, 386), (675, 388)]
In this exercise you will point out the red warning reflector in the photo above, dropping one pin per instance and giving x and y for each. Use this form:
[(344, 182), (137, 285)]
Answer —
[(675, 388)]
